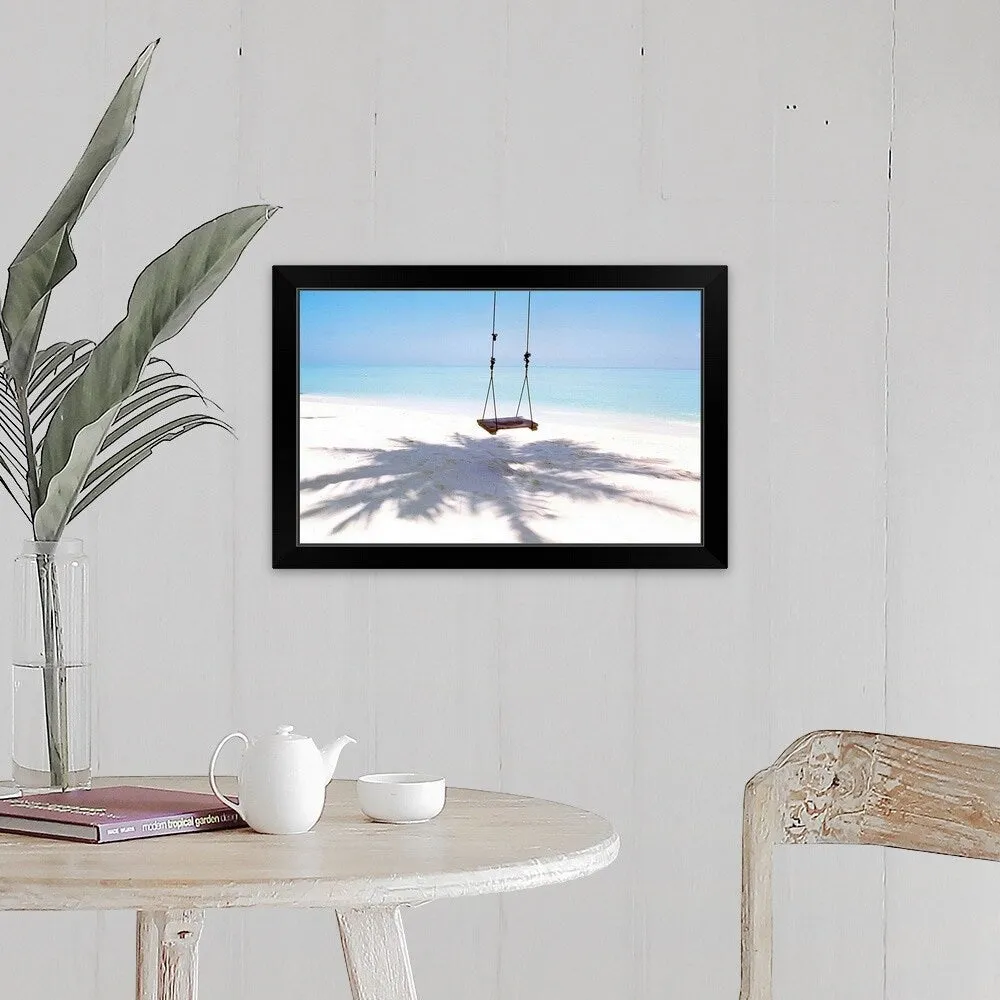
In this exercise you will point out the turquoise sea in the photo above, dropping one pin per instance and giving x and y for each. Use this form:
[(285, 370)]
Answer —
[(649, 392)]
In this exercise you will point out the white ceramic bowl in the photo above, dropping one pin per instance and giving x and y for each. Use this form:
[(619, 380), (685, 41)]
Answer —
[(401, 798)]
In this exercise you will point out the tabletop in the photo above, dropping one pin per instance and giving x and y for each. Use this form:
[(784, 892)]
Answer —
[(482, 842)]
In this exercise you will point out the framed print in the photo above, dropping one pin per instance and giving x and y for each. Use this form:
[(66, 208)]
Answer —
[(499, 416)]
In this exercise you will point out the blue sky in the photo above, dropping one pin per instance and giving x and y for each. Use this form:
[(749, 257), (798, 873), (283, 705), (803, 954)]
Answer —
[(585, 328)]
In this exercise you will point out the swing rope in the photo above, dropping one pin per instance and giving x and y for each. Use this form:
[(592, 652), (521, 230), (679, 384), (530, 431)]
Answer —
[(525, 387), (517, 421), (491, 389)]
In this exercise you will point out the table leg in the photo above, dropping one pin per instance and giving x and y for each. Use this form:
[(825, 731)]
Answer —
[(147, 955), (167, 954), (378, 964)]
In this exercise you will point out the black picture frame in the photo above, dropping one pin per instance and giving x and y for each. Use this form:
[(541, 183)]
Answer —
[(710, 280)]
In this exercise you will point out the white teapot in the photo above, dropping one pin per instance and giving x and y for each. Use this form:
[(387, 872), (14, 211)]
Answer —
[(282, 780)]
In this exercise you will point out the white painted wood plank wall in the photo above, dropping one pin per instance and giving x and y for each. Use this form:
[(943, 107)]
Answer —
[(862, 397), (944, 534)]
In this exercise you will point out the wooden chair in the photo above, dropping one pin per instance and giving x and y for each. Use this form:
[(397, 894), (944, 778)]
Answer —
[(837, 787)]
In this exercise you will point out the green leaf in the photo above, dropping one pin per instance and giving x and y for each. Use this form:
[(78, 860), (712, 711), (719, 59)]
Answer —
[(120, 428), (53, 391), (10, 422), (165, 296), (13, 451), (10, 417), (177, 377), (42, 356), (136, 452), (10, 436), (12, 429), (47, 361), (13, 463), (12, 483), (48, 255), (54, 370), (64, 486)]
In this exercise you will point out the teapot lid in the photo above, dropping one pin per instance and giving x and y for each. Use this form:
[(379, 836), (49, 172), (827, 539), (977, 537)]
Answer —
[(286, 733)]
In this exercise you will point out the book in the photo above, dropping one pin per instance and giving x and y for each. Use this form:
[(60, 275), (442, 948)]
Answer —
[(115, 813)]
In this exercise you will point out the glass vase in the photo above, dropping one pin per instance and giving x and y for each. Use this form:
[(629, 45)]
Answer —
[(51, 667)]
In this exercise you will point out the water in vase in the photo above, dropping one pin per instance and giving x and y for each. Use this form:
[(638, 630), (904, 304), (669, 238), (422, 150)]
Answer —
[(30, 749)]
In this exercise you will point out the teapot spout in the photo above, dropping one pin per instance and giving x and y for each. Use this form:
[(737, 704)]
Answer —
[(331, 754)]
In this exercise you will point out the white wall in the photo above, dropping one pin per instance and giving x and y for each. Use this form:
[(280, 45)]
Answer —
[(863, 432)]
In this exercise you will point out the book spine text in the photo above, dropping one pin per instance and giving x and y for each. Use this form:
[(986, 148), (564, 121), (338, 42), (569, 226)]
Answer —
[(159, 826)]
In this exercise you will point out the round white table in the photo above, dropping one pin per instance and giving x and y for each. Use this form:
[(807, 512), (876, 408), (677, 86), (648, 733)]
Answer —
[(483, 842)]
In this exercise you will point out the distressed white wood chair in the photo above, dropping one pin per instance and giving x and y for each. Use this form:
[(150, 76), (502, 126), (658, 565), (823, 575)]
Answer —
[(835, 787)]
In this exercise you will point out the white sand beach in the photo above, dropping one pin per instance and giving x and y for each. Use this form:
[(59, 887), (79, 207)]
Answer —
[(378, 471)]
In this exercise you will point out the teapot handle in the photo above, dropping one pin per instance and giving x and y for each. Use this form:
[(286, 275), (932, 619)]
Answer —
[(232, 804)]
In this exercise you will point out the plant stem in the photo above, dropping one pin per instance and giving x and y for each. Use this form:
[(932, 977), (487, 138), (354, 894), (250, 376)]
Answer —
[(54, 678), (54, 674)]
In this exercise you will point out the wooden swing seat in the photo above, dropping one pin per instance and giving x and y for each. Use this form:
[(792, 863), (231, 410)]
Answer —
[(493, 424)]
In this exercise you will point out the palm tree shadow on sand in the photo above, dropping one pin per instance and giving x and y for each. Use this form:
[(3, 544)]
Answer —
[(475, 475)]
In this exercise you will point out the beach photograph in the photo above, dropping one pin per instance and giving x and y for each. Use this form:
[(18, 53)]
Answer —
[(500, 417)]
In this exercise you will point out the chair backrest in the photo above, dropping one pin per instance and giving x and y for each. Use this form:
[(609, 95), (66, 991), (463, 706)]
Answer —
[(834, 787)]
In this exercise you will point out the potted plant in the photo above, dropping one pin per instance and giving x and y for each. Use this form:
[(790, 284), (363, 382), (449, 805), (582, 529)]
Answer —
[(75, 417)]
